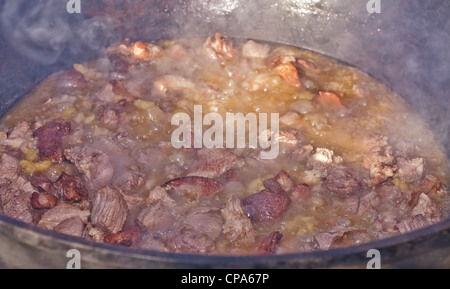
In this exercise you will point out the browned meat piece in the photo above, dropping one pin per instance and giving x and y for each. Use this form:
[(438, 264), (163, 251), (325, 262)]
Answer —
[(70, 188), (159, 193), (380, 161), (41, 182), (206, 220), (267, 205), (19, 138), (43, 200), (251, 49), (289, 73), (427, 208), (368, 201), (144, 51), (127, 180), (128, 237), (285, 181), (302, 154), (193, 187), (351, 205), (107, 94), (73, 227), (300, 193), (220, 47), (71, 79), (211, 163), (9, 168), (269, 245), (50, 140), (238, 229), (15, 199), (94, 164), (188, 240), (321, 159), (389, 220), (342, 183), (411, 171), (327, 240), (412, 224), (156, 218), (282, 60), (430, 186), (63, 211), (129, 89), (108, 118), (109, 210)]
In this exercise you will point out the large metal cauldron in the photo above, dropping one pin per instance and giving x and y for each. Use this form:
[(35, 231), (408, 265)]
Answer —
[(404, 43)]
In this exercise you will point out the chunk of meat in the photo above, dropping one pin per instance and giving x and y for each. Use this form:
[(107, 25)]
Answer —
[(107, 94), (9, 168), (41, 182), (128, 237), (321, 159), (109, 210), (95, 165), (43, 200), (63, 211), (50, 140), (289, 73), (172, 83), (330, 99), (71, 79), (127, 179), (251, 49), (380, 161), (368, 201), (342, 183), (15, 199), (156, 218), (72, 226), (193, 187), (108, 118), (267, 205), (285, 181), (238, 229), (427, 208), (300, 193), (221, 47), (283, 59), (327, 240), (269, 245), (159, 193), (19, 138), (188, 240), (144, 51), (129, 89), (411, 171), (70, 188), (412, 224), (206, 220), (430, 186), (211, 163)]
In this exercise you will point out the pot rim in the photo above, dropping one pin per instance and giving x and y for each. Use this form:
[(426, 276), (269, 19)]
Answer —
[(198, 259)]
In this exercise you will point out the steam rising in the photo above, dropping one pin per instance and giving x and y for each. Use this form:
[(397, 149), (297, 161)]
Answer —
[(405, 46)]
